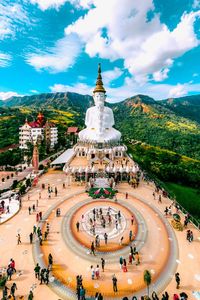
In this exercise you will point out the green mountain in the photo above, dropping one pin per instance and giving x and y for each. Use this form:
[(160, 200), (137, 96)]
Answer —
[(64, 101), (157, 123), (188, 107), (144, 119)]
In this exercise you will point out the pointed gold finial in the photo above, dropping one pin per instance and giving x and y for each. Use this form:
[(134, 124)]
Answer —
[(99, 83)]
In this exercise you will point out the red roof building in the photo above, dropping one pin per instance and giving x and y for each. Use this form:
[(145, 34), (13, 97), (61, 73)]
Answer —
[(72, 130)]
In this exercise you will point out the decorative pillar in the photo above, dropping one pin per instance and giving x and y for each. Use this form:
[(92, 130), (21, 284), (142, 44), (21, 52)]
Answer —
[(35, 158)]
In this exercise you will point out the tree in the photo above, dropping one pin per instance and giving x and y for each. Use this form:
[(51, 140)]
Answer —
[(28, 182), (22, 190), (147, 280)]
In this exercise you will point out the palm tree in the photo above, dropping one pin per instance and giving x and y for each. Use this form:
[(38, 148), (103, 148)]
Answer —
[(147, 280)]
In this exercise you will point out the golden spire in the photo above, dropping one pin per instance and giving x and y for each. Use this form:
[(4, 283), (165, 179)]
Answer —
[(99, 83)]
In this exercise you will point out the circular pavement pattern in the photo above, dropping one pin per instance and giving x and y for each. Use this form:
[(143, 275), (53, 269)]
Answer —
[(117, 225), (153, 238)]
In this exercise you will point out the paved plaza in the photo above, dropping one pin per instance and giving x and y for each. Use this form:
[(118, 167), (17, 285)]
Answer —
[(162, 250)]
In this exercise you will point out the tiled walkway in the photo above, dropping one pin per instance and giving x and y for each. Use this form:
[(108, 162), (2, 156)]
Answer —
[(155, 239)]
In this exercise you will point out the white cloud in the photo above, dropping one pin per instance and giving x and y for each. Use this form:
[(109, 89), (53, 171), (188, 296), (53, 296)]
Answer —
[(11, 17), (34, 91), (79, 88), (7, 95), (161, 75), (111, 75), (178, 91), (115, 31), (131, 88), (5, 60), (57, 59), (56, 4)]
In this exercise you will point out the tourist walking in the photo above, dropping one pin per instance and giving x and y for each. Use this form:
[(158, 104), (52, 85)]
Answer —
[(154, 296), (9, 272), (130, 235), (121, 261), (121, 240), (30, 296), (5, 292), (92, 272), (40, 215), (177, 278), (92, 248), (50, 260), (132, 220), (102, 263), (37, 271), (106, 238), (77, 226), (42, 276), (13, 289), (114, 280), (166, 211), (97, 272), (130, 258), (37, 218), (31, 237), (175, 297), (82, 293), (18, 239), (124, 266), (137, 258)]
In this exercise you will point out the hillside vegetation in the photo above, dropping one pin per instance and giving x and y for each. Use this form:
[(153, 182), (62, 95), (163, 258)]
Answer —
[(158, 123), (144, 119), (166, 165), (188, 197), (188, 107)]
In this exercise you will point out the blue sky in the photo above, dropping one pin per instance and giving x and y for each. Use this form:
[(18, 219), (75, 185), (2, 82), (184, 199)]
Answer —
[(149, 47)]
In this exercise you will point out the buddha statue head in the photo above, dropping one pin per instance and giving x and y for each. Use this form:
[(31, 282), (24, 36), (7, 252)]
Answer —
[(99, 93), (99, 99)]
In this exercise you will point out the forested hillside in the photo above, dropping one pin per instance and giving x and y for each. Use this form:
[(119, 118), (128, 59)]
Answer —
[(138, 118)]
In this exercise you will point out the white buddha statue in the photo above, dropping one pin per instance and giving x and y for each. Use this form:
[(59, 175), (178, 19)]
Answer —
[(99, 118)]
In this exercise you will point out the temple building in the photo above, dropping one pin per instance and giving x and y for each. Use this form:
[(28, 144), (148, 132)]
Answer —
[(36, 131), (99, 149)]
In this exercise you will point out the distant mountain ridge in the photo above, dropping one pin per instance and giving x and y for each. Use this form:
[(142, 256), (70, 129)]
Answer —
[(188, 106), (57, 100), (173, 124)]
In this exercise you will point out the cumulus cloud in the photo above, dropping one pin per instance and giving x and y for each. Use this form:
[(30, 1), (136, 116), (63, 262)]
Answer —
[(46, 4), (178, 91), (147, 47), (5, 59), (7, 95), (80, 88), (57, 59), (111, 75), (11, 17), (131, 88), (161, 75)]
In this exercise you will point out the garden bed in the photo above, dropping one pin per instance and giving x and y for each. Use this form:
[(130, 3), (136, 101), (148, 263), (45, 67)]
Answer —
[(97, 193)]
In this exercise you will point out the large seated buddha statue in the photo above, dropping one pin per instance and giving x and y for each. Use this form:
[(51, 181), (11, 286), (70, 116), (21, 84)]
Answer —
[(99, 118)]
